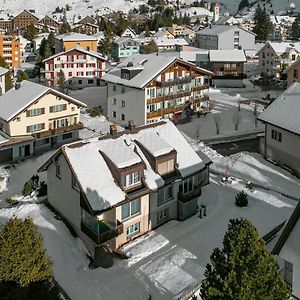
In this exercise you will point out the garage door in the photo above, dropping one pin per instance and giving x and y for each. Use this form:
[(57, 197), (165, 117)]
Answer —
[(5, 155)]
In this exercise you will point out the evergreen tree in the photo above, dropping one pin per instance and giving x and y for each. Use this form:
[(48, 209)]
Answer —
[(65, 27), (31, 32), (243, 268), (243, 4), (263, 25), (22, 75), (51, 42), (23, 259), (296, 28), (150, 48), (8, 76), (61, 80), (38, 66)]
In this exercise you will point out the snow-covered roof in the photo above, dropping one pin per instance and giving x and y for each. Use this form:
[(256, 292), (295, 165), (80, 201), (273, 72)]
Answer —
[(153, 65), (170, 42), (227, 56), (219, 29), (74, 36), (94, 175), (161, 33), (77, 48), (282, 47), (284, 111), (195, 11), (3, 71), (15, 101)]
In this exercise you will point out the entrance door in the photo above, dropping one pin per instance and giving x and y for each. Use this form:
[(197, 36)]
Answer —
[(27, 150)]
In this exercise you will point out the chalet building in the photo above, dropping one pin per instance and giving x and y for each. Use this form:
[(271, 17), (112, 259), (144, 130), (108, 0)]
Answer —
[(275, 57), (282, 129), (110, 199), (129, 32), (71, 40), (35, 118), (6, 25), (149, 88), (163, 34), (3, 72), (10, 50), (81, 68), (87, 25), (124, 47), (164, 44), (23, 20), (287, 252), (50, 23), (225, 37), (227, 66)]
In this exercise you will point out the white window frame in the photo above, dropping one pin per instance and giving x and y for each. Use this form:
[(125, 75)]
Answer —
[(133, 229), (130, 208)]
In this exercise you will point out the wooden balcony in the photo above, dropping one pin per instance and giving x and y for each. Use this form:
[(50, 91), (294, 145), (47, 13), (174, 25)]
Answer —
[(163, 98), (189, 196), (56, 131), (174, 81), (165, 111), (102, 237), (195, 100), (200, 87)]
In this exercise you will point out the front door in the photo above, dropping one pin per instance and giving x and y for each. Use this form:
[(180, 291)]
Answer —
[(27, 150)]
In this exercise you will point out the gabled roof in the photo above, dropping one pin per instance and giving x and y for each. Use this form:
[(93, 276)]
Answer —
[(170, 42), (74, 36), (48, 17), (281, 47), (94, 175), (161, 33), (220, 29), (26, 11), (15, 101), (284, 111), (227, 56), (3, 71), (152, 65), (77, 48)]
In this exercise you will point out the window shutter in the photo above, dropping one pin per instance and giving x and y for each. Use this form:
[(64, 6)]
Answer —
[(28, 129), (42, 110), (43, 126), (64, 106), (28, 113), (51, 108)]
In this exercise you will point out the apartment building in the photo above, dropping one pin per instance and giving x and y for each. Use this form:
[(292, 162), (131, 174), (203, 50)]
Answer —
[(293, 72), (81, 68), (275, 57), (124, 47), (118, 187), (70, 40), (225, 37), (164, 44), (149, 88), (35, 118), (3, 72), (10, 50), (50, 23)]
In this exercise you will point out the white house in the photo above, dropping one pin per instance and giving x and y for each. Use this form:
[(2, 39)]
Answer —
[(81, 68), (282, 129), (117, 187), (165, 44), (149, 88)]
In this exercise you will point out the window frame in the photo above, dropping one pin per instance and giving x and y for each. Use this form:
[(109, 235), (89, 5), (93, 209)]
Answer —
[(131, 212)]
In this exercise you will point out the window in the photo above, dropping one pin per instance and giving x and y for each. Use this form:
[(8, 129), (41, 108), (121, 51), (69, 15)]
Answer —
[(165, 195), (114, 87), (79, 81), (236, 33), (150, 93), (187, 185), (58, 171), (67, 136), (166, 167), (122, 117), (276, 135), (293, 57), (123, 103), (131, 209), (35, 112), (35, 127), (18, 119), (295, 73), (135, 228), (90, 81), (75, 185), (70, 74), (114, 102), (123, 89), (163, 214), (58, 107), (114, 114), (131, 179)]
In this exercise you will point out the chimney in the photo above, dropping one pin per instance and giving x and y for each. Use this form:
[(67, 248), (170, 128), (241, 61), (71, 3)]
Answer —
[(131, 125), (17, 85), (113, 130)]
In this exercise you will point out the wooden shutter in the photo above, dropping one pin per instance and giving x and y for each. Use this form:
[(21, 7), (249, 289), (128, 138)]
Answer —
[(51, 108), (43, 126), (42, 110), (64, 106), (28, 129), (28, 113)]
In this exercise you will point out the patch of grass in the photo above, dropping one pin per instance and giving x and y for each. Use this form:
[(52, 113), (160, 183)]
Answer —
[(11, 201)]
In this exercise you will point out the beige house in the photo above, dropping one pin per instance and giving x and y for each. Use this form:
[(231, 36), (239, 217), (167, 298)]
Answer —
[(282, 130), (293, 72), (44, 117), (118, 187)]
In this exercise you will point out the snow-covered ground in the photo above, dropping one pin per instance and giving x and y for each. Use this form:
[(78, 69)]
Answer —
[(170, 260)]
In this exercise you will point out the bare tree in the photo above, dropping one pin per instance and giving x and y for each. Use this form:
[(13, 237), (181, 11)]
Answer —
[(236, 120), (218, 122)]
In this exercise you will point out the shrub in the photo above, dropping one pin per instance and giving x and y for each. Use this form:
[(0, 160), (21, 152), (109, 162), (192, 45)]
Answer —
[(95, 111), (241, 199), (42, 189), (28, 188)]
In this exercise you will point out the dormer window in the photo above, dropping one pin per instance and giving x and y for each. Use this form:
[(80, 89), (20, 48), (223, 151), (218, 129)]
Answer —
[(131, 179), (166, 167)]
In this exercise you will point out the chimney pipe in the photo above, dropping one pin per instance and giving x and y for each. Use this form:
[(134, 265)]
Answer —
[(113, 130)]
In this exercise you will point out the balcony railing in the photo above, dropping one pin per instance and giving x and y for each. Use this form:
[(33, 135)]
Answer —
[(174, 81), (200, 87), (56, 131), (100, 238), (189, 196), (163, 98), (165, 111)]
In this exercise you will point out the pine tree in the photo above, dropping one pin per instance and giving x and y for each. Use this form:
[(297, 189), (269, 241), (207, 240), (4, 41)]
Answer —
[(243, 4), (51, 42), (263, 26), (31, 32), (8, 76), (243, 268), (23, 260), (61, 80), (22, 75), (296, 28)]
